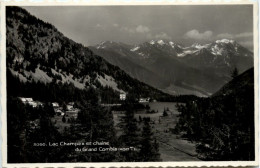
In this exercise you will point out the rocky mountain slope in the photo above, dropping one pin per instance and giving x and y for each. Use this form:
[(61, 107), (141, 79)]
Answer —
[(196, 69)]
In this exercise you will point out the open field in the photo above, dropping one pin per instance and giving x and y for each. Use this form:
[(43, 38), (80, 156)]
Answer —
[(172, 148)]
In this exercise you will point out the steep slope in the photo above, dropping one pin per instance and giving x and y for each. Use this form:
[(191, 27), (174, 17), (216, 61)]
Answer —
[(239, 85), (38, 51), (181, 75), (121, 56)]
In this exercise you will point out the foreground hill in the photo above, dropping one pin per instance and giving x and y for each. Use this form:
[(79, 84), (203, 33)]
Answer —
[(238, 85), (223, 125), (37, 51)]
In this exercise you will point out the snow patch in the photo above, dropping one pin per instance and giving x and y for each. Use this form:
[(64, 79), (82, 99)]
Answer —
[(216, 50), (134, 49), (225, 41), (179, 46), (161, 42), (186, 53), (199, 46), (143, 55), (152, 42), (171, 44), (101, 47)]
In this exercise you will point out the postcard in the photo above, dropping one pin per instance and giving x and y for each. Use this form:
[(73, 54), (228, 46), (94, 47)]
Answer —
[(129, 84)]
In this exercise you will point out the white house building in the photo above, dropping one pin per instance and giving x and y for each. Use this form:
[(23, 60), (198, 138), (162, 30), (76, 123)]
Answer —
[(122, 96), (28, 101)]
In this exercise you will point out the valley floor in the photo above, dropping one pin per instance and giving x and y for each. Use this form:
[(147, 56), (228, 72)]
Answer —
[(171, 146)]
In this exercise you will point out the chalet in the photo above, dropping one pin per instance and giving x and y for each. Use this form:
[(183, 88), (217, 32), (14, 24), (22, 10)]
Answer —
[(33, 104), (69, 107), (29, 101), (23, 99), (72, 113), (122, 96), (59, 112), (39, 103), (55, 105), (144, 100)]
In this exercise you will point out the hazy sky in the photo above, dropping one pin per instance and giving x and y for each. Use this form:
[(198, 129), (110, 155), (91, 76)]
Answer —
[(135, 24)]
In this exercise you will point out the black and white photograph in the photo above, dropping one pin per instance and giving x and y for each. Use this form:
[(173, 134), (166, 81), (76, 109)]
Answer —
[(130, 83)]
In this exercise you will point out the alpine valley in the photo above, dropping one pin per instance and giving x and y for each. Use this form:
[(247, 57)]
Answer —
[(38, 51), (115, 102), (175, 69)]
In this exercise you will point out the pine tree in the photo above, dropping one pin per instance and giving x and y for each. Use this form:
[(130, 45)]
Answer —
[(63, 119), (165, 113), (149, 148), (130, 136)]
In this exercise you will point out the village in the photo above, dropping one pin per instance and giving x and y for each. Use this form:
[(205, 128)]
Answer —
[(68, 110), (65, 113)]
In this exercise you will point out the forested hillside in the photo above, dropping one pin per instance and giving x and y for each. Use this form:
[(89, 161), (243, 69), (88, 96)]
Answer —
[(38, 51), (222, 125)]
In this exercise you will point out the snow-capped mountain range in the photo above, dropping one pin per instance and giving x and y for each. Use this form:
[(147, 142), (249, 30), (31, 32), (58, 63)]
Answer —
[(199, 69), (219, 47)]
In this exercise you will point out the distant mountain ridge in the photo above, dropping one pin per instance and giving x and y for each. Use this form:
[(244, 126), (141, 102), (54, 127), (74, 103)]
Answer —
[(197, 69)]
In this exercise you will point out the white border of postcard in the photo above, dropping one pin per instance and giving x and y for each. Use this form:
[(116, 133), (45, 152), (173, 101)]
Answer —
[(125, 2)]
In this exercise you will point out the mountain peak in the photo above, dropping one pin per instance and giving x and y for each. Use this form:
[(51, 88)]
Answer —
[(161, 42), (225, 41), (152, 42)]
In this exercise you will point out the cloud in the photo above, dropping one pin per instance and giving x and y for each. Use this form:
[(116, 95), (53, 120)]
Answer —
[(129, 30), (195, 34), (142, 29), (235, 36), (244, 35), (137, 29), (163, 36), (159, 36)]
